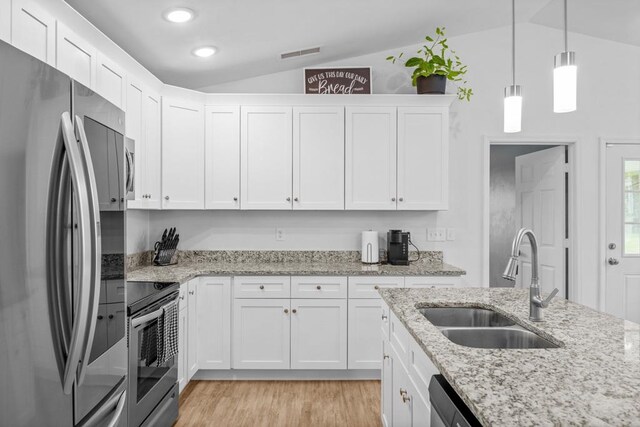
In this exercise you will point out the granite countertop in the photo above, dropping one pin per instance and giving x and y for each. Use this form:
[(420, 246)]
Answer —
[(183, 272), (592, 379)]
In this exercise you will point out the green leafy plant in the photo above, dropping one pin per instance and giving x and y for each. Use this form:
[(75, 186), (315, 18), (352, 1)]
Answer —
[(438, 59)]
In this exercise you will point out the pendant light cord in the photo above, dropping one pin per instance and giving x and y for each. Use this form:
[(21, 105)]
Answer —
[(513, 41), (566, 37)]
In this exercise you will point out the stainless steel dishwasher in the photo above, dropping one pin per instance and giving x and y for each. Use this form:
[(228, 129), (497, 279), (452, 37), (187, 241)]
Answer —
[(447, 408)]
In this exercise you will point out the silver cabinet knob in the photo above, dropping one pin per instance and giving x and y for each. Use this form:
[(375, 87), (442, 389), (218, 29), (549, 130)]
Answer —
[(295, 200), (235, 199), (166, 197), (286, 311), (401, 199), (192, 292), (261, 286), (613, 261), (182, 297), (376, 287), (288, 199), (318, 287), (393, 199), (294, 311), (113, 200), (385, 317), (386, 356)]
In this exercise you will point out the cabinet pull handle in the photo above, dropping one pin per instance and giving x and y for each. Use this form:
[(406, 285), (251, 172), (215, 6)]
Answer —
[(192, 292), (100, 317), (402, 392), (318, 287), (294, 311), (384, 317), (113, 200), (261, 286), (286, 311), (385, 356), (111, 316), (406, 398), (376, 287)]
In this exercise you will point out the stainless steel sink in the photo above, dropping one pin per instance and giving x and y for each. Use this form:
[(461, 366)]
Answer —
[(465, 317), (497, 338)]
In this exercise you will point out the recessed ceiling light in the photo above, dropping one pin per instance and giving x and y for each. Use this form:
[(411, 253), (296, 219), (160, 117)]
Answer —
[(205, 51), (179, 15)]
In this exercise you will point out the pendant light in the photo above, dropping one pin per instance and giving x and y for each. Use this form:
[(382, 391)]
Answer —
[(565, 79), (513, 93)]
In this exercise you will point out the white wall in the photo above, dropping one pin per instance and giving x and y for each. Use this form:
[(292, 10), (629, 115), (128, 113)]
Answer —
[(608, 106), (137, 229)]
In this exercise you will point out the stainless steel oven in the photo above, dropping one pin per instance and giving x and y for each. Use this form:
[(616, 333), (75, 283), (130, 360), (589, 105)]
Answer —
[(152, 392)]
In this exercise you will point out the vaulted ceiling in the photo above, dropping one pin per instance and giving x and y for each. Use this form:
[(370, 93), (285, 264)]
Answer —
[(250, 35)]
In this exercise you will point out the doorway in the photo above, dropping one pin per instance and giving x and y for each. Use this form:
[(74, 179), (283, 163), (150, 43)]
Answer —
[(527, 184), (621, 245)]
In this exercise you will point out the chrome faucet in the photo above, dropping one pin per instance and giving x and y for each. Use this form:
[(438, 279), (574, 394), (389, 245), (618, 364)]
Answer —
[(536, 303)]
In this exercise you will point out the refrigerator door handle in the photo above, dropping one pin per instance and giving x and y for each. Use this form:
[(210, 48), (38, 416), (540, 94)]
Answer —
[(130, 171), (94, 246), (114, 405), (81, 302), (119, 408)]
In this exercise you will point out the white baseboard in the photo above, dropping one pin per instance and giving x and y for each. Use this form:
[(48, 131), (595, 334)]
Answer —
[(291, 375)]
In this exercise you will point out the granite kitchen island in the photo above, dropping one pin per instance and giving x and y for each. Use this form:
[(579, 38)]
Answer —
[(592, 378)]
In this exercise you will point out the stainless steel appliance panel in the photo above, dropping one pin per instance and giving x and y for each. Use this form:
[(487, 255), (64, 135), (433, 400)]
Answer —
[(33, 96)]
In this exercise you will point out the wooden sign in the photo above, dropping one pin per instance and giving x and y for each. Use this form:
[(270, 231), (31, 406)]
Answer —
[(346, 81)]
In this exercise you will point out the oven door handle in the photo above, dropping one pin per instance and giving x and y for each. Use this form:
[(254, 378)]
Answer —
[(137, 321)]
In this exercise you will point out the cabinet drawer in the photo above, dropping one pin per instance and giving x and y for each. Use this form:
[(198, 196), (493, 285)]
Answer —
[(399, 338), (262, 287), (318, 287), (115, 290), (432, 281), (367, 287)]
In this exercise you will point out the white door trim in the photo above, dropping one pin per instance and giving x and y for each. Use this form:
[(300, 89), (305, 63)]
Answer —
[(575, 293), (602, 220)]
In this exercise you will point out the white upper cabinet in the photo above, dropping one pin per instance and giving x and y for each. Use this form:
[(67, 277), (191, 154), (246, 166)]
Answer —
[(135, 130), (5, 20), (318, 158), (75, 57), (152, 150), (32, 29), (371, 158), (423, 159), (111, 82), (266, 158), (182, 154), (222, 153)]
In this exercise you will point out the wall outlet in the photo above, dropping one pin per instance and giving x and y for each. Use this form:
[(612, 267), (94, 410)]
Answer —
[(280, 235), (451, 234), (436, 234)]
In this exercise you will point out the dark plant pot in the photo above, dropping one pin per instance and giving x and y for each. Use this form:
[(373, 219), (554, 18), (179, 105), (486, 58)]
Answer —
[(432, 84)]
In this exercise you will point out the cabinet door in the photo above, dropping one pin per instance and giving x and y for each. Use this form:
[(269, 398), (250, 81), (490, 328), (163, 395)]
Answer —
[(182, 348), (102, 142), (115, 323), (182, 155), (386, 385), (370, 158), (222, 151), (134, 130), (365, 334), (261, 335), (400, 393), (111, 82), (318, 334), (423, 159), (266, 170), (152, 151), (75, 57), (318, 158), (214, 323), (432, 281), (192, 329), (5, 20), (32, 30)]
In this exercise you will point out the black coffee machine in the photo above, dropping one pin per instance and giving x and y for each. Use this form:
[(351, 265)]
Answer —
[(398, 247)]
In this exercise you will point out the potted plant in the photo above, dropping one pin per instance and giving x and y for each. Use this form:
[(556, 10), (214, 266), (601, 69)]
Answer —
[(436, 64)]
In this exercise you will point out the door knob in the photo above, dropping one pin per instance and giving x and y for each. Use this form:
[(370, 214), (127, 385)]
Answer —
[(613, 261)]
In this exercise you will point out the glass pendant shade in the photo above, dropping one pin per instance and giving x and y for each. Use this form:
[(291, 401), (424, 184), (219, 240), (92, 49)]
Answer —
[(512, 109), (565, 82)]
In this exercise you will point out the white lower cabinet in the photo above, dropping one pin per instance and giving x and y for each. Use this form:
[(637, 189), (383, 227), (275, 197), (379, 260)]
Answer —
[(386, 398), (182, 337), (318, 334), (364, 333), (214, 323), (192, 329), (261, 334)]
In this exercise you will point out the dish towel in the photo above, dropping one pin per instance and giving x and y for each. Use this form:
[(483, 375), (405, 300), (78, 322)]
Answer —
[(168, 333), (149, 346)]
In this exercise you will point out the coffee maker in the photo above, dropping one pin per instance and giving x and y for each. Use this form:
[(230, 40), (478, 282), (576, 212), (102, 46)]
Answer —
[(398, 247)]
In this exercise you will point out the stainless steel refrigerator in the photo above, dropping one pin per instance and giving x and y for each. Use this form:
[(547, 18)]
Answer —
[(63, 176)]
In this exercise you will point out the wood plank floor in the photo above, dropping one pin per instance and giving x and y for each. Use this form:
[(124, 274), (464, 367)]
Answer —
[(280, 403)]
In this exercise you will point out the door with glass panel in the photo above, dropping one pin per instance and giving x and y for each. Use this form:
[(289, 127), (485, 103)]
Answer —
[(622, 213)]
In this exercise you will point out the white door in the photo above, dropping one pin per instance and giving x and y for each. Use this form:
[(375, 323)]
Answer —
[(386, 385), (111, 82), (370, 182), (318, 158), (266, 134), (75, 57), (214, 323), (222, 151), (622, 216), (318, 334), (33, 30), (192, 333), (182, 347), (540, 206), (401, 392), (261, 334), (365, 334), (423, 159), (182, 155), (134, 130), (153, 151)]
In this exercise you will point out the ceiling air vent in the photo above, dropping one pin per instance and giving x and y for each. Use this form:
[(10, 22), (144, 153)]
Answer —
[(298, 53)]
